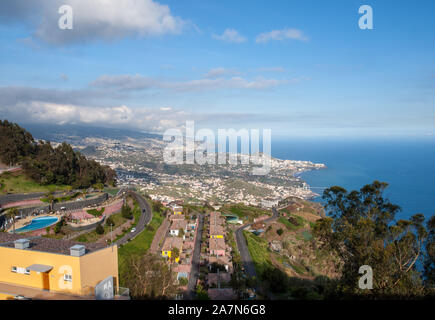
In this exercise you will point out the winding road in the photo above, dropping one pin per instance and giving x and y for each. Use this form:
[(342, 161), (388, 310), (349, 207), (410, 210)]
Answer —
[(144, 219), (243, 247)]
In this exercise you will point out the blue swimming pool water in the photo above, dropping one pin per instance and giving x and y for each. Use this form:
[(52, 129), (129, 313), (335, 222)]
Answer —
[(38, 223)]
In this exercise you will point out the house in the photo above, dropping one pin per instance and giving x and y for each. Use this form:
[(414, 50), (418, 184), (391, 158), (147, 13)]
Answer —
[(216, 231), (176, 226), (169, 245), (217, 247), (177, 210), (44, 268), (215, 279)]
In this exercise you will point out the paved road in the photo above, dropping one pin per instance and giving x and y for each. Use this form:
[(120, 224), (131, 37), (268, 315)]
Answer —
[(144, 218), (194, 273), (243, 247)]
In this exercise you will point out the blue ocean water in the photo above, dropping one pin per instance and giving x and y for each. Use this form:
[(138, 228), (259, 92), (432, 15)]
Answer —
[(408, 166)]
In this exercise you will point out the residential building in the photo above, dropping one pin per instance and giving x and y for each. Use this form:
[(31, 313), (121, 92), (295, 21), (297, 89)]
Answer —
[(169, 245), (42, 267)]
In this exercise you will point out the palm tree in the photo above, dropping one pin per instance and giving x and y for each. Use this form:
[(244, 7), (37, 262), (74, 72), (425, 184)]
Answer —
[(11, 214)]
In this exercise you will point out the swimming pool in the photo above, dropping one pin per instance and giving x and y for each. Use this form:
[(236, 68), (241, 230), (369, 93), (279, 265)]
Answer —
[(38, 223)]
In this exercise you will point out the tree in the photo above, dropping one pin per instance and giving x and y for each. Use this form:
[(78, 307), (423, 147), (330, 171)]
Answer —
[(429, 261), (148, 277), (201, 293), (59, 225), (279, 232), (11, 214), (157, 206), (110, 222), (183, 281), (99, 229), (361, 230), (47, 165), (175, 254), (126, 212)]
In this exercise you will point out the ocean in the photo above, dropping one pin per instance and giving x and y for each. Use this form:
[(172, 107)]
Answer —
[(407, 165)]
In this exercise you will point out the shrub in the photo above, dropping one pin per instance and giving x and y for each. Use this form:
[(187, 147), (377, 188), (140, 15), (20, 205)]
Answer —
[(96, 213), (183, 281), (110, 222), (126, 212), (280, 231), (99, 229)]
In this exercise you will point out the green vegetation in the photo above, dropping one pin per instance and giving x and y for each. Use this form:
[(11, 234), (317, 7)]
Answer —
[(111, 191), (140, 245), (61, 199), (361, 230), (95, 212), (47, 165), (93, 236), (245, 212), (99, 229), (292, 223), (259, 251), (19, 183), (126, 212)]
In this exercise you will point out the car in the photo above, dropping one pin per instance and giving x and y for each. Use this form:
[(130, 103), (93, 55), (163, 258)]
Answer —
[(133, 230)]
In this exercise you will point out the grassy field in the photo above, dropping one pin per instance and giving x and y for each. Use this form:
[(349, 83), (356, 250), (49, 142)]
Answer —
[(245, 212), (18, 183), (142, 242), (290, 226), (259, 251)]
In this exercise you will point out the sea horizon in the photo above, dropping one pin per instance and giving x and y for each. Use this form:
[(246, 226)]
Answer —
[(405, 164)]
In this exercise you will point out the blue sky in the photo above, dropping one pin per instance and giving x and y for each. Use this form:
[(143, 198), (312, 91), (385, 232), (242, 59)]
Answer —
[(301, 68)]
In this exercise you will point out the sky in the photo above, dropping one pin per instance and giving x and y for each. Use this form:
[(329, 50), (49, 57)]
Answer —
[(300, 68)]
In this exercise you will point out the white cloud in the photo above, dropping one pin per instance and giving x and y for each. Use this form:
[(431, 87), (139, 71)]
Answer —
[(230, 35), (138, 82), (280, 35), (218, 72), (150, 119), (96, 19)]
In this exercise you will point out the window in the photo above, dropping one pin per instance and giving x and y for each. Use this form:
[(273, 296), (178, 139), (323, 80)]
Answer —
[(27, 271), (67, 277), (14, 269)]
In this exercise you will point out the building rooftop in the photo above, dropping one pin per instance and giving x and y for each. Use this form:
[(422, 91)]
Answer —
[(216, 230), (172, 242), (178, 224), (46, 244), (217, 244)]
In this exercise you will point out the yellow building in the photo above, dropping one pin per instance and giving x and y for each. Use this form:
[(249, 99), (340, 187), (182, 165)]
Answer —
[(37, 266), (177, 210)]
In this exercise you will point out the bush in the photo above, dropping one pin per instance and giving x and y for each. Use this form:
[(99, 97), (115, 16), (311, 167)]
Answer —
[(183, 281), (99, 229), (126, 212), (95, 212), (280, 231), (110, 222)]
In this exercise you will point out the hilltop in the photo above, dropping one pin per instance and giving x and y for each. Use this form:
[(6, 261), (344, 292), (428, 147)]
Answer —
[(47, 165)]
